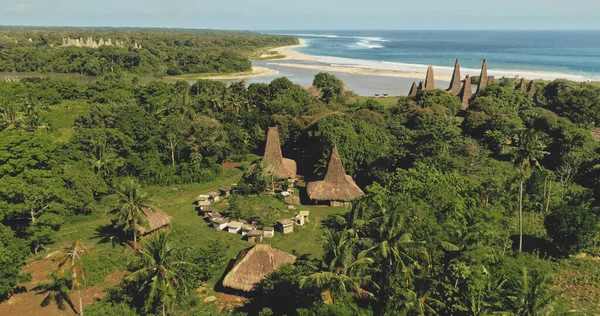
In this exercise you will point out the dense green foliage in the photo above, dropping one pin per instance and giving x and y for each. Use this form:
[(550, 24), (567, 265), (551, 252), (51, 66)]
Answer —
[(438, 231), (162, 52)]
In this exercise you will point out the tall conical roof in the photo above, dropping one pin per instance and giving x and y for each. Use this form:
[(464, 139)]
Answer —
[(523, 85), (490, 80), (281, 167), (429, 79), (253, 265), (413, 89), (532, 89), (337, 185), (421, 86), (466, 92), (483, 78), (455, 84)]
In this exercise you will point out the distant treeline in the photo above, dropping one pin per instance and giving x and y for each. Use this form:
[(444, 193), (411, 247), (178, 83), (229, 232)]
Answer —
[(162, 52)]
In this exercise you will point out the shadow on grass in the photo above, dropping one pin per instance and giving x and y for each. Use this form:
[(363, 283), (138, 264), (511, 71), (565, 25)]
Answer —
[(109, 234), (540, 246)]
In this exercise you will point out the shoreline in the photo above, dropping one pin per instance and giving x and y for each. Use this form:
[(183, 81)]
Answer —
[(255, 73), (402, 70)]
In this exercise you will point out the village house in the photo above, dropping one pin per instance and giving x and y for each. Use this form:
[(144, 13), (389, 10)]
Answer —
[(246, 228), (213, 197), (157, 220), (253, 265), (337, 188), (282, 168)]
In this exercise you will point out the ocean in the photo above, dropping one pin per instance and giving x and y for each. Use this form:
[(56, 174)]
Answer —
[(573, 55)]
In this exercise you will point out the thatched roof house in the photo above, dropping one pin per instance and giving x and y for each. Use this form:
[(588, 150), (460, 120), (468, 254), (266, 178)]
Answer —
[(337, 185), (253, 265), (157, 219), (282, 168)]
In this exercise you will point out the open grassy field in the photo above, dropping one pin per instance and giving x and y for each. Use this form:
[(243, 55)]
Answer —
[(386, 101)]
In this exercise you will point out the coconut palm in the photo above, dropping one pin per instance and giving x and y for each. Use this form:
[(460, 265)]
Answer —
[(158, 276), (530, 149), (11, 118), (342, 271), (395, 248), (130, 206), (70, 261)]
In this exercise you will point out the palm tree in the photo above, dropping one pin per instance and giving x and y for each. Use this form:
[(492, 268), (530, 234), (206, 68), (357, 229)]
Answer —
[(130, 206), (395, 248), (70, 261), (531, 294), (527, 155), (342, 271), (158, 275), (11, 118)]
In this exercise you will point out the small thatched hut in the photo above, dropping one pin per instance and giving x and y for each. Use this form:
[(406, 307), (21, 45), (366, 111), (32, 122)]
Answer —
[(282, 168), (157, 219), (337, 188), (253, 265)]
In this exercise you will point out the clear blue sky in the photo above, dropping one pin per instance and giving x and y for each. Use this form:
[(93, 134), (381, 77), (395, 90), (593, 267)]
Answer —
[(306, 14)]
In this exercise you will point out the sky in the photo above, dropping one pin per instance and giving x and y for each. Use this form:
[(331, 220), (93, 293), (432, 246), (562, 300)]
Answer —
[(306, 14)]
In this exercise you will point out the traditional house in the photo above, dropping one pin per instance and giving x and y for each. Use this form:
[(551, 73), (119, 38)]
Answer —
[(220, 223), (429, 79), (269, 232), (456, 84), (255, 236), (281, 167), (157, 219), (234, 227), (483, 77), (253, 265), (337, 188), (285, 226)]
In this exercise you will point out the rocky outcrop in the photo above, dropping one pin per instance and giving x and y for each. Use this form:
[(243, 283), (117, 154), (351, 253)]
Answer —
[(455, 83)]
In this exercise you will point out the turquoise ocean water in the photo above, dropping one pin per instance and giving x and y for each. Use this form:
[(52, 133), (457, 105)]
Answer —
[(573, 55)]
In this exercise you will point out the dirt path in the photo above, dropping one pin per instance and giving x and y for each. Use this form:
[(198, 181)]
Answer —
[(29, 302)]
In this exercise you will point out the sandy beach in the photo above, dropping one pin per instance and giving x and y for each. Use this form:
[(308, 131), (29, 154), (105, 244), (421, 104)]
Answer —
[(255, 73), (291, 54)]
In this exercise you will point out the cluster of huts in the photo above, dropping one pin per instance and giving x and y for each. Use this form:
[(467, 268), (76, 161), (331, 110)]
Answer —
[(90, 43), (462, 88), (336, 189)]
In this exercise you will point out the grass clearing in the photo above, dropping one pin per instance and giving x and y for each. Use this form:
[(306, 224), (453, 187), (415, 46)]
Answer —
[(61, 118), (385, 101)]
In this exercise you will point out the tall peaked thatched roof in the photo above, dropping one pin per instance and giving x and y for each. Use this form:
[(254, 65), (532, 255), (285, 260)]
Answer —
[(483, 77), (282, 168), (337, 185), (532, 89), (466, 92), (429, 79), (523, 85), (253, 265), (157, 219), (413, 90), (455, 84)]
